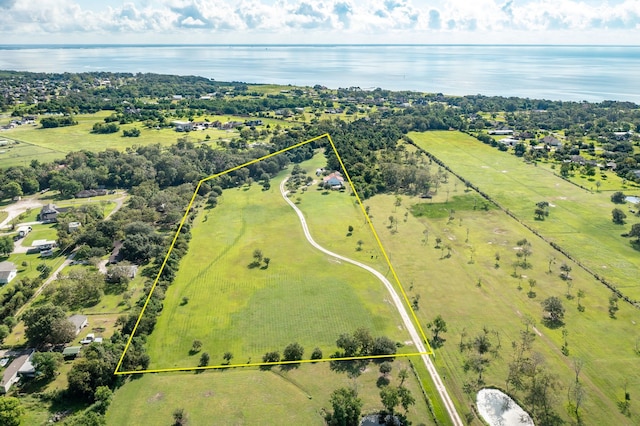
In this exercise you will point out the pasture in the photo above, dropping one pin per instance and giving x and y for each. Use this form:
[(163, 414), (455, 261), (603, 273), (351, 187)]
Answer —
[(579, 221), (249, 396), (302, 295), (460, 281), (35, 143)]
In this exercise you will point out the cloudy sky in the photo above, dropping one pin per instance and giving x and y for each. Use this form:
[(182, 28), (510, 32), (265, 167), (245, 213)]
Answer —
[(325, 21)]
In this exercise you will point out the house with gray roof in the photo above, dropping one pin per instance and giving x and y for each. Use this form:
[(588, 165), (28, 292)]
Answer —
[(20, 367), (8, 271), (79, 322)]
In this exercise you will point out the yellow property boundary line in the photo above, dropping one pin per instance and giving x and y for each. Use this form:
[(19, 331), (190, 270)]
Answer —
[(260, 364)]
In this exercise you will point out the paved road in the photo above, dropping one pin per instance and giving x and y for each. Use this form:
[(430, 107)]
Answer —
[(16, 209), (415, 336)]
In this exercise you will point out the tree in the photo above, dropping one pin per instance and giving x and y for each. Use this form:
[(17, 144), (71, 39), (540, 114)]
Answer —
[(348, 344), (635, 231), (48, 324), (532, 284), (363, 338), (385, 368), (618, 216), (618, 197), (346, 408), (179, 417), (293, 352), (204, 359), (44, 269), (390, 398), (4, 332), (542, 210), (273, 356), (46, 364), (360, 243), (406, 398), (383, 346), (103, 397), (524, 251), (6, 246), (580, 296), (437, 326), (613, 305), (132, 133), (566, 269), (257, 256), (10, 411), (316, 354), (196, 345), (266, 261), (403, 375), (12, 189), (227, 357), (552, 306)]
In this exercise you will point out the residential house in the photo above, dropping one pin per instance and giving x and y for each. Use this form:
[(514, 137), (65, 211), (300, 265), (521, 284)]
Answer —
[(79, 322), (49, 213), (578, 159), (552, 142), (74, 226), (86, 193), (334, 180), (509, 141), (182, 126), (20, 367), (8, 271), (501, 132)]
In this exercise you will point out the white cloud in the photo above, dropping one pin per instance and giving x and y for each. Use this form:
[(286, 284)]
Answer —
[(340, 20)]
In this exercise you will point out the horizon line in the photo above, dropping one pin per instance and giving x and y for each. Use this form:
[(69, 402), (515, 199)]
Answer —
[(319, 44)]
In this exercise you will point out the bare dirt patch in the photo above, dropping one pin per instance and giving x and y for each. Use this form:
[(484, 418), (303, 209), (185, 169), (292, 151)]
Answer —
[(157, 397)]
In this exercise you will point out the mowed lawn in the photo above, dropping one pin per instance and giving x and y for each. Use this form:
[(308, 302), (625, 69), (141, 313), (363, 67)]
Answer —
[(579, 221), (448, 286), (248, 396), (303, 296)]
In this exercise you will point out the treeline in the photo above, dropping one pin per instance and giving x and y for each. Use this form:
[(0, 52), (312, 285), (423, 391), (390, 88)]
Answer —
[(179, 164)]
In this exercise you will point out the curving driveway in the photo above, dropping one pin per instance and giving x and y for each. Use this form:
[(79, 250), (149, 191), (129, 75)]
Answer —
[(415, 336)]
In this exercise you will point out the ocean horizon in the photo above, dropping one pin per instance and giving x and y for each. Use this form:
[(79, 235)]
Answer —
[(591, 73)]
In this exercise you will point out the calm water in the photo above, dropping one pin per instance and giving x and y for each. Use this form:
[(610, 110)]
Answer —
[(592, 73)]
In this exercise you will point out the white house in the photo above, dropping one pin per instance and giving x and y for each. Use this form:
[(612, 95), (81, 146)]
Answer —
[(8, 271), (182, 126)]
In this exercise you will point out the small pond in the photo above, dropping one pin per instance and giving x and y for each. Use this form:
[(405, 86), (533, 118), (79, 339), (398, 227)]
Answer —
[(632, 199), (498, 409)]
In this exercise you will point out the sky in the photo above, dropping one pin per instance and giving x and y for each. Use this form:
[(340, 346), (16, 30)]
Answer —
[(320, 22)]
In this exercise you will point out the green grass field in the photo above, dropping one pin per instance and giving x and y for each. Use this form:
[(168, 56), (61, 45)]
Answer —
[(579, 220), (248, 396), (40, 232), (303, 295), (449, 286), (45, 145)]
